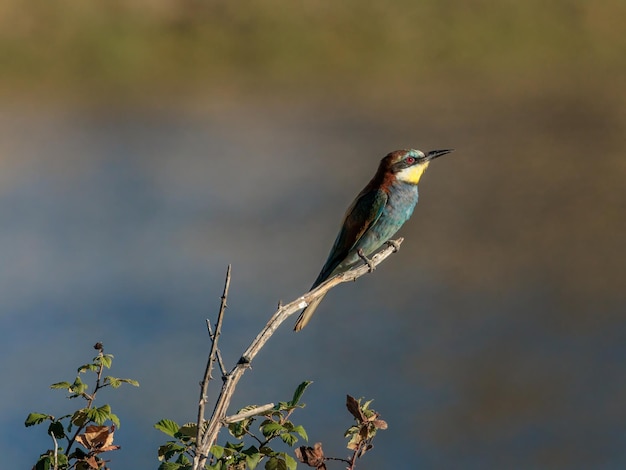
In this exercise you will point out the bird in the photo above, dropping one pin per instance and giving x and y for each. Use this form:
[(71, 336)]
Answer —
[(377, 213)]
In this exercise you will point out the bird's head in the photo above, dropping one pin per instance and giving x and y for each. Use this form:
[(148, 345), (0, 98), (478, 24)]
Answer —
[(408, 166)]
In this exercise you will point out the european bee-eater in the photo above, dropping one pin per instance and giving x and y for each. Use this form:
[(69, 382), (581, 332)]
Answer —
[(376, 214)]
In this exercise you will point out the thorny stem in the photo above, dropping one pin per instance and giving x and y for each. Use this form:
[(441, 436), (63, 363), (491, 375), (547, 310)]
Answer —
[(212, 357)]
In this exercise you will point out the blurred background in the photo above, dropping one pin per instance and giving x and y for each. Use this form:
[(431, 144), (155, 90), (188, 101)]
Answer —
[(144, 145)]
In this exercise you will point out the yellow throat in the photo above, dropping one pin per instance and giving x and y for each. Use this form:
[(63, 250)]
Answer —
[(413, 173)]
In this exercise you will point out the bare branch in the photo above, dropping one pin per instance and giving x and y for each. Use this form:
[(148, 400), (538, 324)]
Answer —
[(257, 410), (212, 357), (284, 311)]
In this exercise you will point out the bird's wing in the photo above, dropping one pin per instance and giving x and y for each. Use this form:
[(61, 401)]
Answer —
[(360, 216)]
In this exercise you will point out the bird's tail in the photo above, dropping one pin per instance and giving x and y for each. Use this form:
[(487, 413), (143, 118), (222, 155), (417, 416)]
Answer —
[(306, 314)]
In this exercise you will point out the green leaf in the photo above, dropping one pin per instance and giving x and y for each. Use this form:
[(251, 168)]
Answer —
[(65, 385), (182, 459), (56, 429), (86, 367), (240, 428), (289, 439), (281, 461), (99, 415), (78, 387), (45, 462), (252, 455), (291, 462), (167, 426), (236, 446), (167, 451), (188, 430), (271, 429), (301, 432), (62, 460), (113, 381), (132, 382), (299, 392), (170, 466), (252, 460), (79, 418), (114, 419), (217, 451), (274, 463), (36, 418), (106, 360)]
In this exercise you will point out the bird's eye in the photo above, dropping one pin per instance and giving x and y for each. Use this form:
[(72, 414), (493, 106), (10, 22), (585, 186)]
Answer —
[(410, 160)]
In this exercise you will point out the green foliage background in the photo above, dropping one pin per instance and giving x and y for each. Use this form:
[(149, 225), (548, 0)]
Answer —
[(401, 48)]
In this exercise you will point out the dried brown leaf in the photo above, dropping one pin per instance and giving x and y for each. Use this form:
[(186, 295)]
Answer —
[(312, 456), (380, 424), (354, 408), (97, 439), (92, 462)]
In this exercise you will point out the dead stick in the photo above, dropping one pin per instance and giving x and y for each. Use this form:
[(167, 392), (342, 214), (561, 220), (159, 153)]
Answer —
[(212, 356)]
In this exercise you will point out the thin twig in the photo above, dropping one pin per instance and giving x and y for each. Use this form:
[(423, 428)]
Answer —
[(90, 399), (338, 459), (255, 438), (55, 466), (352, 462), (212, 356), (284, 311), (220, 361), (257, 410)]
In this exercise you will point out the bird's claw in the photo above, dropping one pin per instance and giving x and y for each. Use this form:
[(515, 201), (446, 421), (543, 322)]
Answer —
[(394, 244), (366, 260)]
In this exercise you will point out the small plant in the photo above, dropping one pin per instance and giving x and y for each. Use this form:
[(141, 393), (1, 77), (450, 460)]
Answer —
[(239, 455), (86, 425), (179, 454), (360, 437)]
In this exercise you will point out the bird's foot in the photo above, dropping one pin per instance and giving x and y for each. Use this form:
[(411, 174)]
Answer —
[(394, 244), (366, 260)]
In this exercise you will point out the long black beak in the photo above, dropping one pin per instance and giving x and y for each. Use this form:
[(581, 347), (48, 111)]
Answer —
[(437, 153)]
